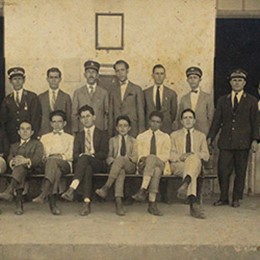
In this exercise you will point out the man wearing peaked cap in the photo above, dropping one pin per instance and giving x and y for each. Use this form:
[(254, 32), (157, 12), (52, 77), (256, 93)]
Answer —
[(18, 106), (194, 71), (93, 95), (236, 115)]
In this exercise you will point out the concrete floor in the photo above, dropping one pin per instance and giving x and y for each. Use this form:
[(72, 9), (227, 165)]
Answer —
[(227, 233)]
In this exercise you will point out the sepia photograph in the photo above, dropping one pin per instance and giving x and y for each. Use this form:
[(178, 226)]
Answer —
[(129, 129)]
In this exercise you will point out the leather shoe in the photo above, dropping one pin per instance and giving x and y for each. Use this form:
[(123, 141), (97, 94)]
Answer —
[(38, 199), (85, 209), (152, 209), (196, 212), (119, 207), (220, 203), (140, 195), (102, 192), (6, 196), (235, 204), (182, 191), (68, 195), (53, 207), (19, 208)]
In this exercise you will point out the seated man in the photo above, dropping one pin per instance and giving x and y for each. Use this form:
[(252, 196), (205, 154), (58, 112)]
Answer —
[(24, 156), (122, 158), (189, 147), (58, 147), (89, 156), (153, 151)]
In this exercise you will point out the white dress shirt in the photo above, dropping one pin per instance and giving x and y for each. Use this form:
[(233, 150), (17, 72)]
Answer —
[(91, 129), (123, 89), (155, 92), (239, 95), (58, 144), (163, 144), (20, 93), (194, 98), (93, 87), (120, 143)]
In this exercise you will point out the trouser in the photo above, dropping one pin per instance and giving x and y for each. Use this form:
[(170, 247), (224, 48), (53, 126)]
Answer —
[(19, 174), (120, 167), (84, 169), (54, 169), (192, 167), (227, 161), (154, 168)]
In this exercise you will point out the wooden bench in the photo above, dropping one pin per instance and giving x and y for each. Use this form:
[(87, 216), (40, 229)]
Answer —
[(201, 178)]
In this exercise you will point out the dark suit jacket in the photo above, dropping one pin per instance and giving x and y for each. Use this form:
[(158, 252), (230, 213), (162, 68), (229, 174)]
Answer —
[(238, 129), (204, 110), (99, 101), (11, 115), (132, 106), (100, 141), (33, 150), (63, 102), (168, 108), (131, 148)]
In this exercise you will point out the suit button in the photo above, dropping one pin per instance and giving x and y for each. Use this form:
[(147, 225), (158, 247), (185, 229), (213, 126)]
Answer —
[(233, 128), (17, 112), (17, 119), (233, 120)]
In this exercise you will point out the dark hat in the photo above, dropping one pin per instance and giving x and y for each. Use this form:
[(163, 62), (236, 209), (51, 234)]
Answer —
[(90, 64), (16, 71), (194, 70), (238, 73)]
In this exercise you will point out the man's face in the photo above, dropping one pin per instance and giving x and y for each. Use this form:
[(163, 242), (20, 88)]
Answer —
[(91, 76), (155, 123), (188, 120), (237, 84), (17, 82), (87, 119), (25, 131), (194, 81), (159, 76), (57, 123), (121, 72), (123, 127), (54, 80)]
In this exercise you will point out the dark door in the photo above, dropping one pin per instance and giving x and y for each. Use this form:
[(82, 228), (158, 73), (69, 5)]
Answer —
[(2, 63), (237, 46)]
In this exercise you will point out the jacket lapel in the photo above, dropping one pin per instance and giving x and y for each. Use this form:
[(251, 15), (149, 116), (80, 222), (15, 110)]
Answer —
[(199, 101), (128, 90), (116, 145), (150, 96)]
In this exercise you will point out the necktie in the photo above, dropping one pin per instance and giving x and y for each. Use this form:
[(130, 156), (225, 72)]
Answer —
[(17, 100), (188, 142), (123, 147), (194, 91), (235, 103), (158, 101), (153, 145), (88, 142), (91, 90), (53, 99), (57, 133)]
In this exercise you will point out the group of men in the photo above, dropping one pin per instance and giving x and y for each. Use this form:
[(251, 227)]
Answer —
[(148, 133)]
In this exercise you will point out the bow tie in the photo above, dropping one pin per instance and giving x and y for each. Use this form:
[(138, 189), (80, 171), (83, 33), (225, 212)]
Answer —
[(57, 133), (122, 82), (194, 91)]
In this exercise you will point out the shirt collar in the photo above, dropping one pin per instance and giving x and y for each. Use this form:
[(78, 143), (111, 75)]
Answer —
[(24, 141), (197, 91), (54, 90), (186, 130), (94, 86), (59, 132), (239, 94), (20, 91), (90, 128), (124, 83), (161, 86)]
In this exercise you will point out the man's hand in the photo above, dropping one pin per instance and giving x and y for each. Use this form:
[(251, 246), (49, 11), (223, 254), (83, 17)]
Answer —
[(110, 160), (20, 160), (55, 155), (254, 146), (210, 145), (184, 156)]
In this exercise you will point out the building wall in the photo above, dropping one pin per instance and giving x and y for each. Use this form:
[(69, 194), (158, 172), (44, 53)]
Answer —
[(41, 34)]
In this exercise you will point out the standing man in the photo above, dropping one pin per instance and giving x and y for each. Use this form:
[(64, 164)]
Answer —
[(197, 100), (54, 99), (161, 98), (24, 156), (189, 148), (92, 95), (89, 156), (153, 148), (18, 106), (236, 116), (126, 98)]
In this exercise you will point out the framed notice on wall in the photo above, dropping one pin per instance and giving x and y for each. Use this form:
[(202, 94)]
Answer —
[(109, 31)]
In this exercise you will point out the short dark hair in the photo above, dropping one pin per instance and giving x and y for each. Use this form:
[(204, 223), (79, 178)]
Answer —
[(58, 113), (53, 69), (123, 117), (188, 110), (86, 108), (26, 121), (158, 66), (156, 113), (123, 62)]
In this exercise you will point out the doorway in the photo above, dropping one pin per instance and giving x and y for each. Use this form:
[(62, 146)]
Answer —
[(2, 60), (237, 46)]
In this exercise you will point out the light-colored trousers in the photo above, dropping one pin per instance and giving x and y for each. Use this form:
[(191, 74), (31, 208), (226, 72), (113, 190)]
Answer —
[(192, 167)]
